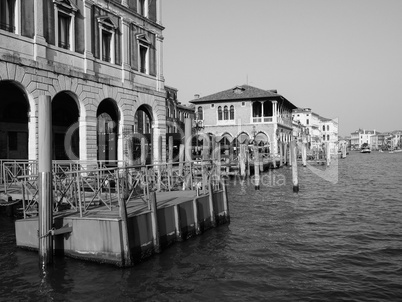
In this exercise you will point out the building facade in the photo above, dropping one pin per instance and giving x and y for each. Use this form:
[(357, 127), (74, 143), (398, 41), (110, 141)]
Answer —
[(101, 64), (246, 113), (362, 136)]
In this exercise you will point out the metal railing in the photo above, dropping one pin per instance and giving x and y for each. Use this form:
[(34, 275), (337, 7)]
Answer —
[(82, 186)]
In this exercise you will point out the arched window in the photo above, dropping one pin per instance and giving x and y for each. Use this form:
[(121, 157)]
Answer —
[(200, 113), (225, 113), (167, 112), (232, 112), (219, 113)]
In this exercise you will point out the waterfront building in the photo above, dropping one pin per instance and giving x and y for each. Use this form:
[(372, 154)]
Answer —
[(100, 61), (176, 113), (319, 129), (360, 137), (245, 113)]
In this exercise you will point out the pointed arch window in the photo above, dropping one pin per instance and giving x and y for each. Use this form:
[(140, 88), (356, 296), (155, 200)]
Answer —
[(219, 113), (225, 113), (231, 112), (200, 113)]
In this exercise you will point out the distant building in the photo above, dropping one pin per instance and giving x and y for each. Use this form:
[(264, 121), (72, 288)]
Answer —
[(320, 129), (246, 113), (360, 137)]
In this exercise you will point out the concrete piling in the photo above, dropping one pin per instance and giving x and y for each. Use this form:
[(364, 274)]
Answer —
[(45, 181)]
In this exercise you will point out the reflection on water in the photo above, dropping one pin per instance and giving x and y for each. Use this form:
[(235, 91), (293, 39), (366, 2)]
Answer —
[(339, 241)]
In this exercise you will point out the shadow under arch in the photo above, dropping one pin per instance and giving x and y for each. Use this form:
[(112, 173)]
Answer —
[(108, 119), (143, 119), (15, 111), (65, 113)]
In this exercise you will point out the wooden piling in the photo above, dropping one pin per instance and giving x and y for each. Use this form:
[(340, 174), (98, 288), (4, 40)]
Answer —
[(170, 161), (304, 154), (211, 203), (45, 180), (154, 221), (285, 152), (295, 179), (196, 219), (280, 153), (179, 236), (242, 160), (225, 202), (256, 168)]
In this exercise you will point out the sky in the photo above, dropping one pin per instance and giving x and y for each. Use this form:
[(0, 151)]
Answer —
[(341, 58)]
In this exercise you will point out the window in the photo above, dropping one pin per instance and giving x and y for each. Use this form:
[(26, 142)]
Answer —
[(327, 137), (107, 35), (200, 113), (64, 31), (212, 105), (243, 104), (64, 23), (307, 122), (323, 137), (167, 112), (327, 127), (143, 58), (225, 113), (232, 112), (7, 17), (106, 46), (219, 113), (323, 128)]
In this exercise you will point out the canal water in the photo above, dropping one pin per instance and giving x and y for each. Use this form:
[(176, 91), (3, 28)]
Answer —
[(338, 239)]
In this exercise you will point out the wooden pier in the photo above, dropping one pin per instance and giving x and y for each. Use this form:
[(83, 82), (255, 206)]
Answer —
[(119, 215)]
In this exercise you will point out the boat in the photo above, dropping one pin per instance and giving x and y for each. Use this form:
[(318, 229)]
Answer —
[(380, 151), (365, 150)]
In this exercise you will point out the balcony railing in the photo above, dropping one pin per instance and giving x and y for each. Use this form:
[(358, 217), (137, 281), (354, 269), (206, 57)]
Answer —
[(264, 119)]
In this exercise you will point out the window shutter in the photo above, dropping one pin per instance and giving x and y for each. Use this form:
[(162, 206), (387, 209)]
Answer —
[(117, 46), (152, 10), (95, 31), (79, 30), (27, 16), (49, 26), (152, 56), (133, 5), (133, 48)]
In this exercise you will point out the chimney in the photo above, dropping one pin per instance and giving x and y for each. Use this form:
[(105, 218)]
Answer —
[(196, 96)]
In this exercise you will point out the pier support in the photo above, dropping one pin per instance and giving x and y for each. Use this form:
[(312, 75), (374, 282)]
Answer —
[(154, 221), (45, 181)]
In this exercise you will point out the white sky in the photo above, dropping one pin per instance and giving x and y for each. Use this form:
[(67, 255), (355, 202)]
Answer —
[(341, 58)]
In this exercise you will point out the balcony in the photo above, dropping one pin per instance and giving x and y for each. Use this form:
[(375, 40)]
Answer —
[(264, 119)]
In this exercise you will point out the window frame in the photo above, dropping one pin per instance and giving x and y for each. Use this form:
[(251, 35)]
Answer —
[(220, 113), (68, 10), (107, 26)]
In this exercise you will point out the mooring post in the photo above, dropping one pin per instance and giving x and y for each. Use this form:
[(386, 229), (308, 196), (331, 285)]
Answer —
[(294, 166), (211, 202), (256, 168), (187, 151), (242, 160), (45, 180), (280, 154), (225, 202), (304, 154), (196, 220), (177, 222), (154, 222), (170, 161), (285, 153)]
